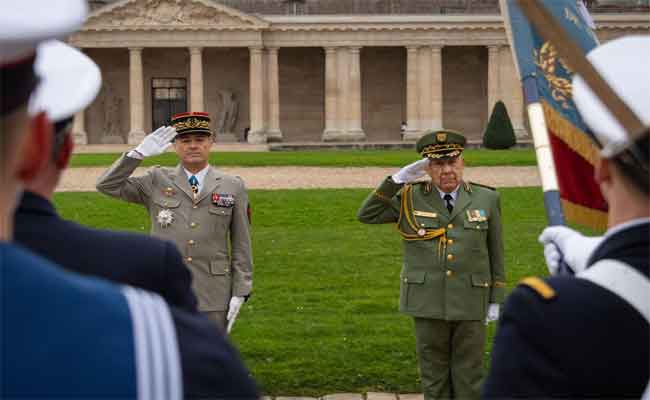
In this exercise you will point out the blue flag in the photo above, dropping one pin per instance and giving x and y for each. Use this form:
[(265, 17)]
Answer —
[(546, 79)]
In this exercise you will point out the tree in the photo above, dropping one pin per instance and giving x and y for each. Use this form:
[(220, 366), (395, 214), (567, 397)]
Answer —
[(499, 133)]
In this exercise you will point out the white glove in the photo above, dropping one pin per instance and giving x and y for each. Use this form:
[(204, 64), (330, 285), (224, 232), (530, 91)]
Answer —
[(157, 142), (411, 172), (233, 310), (565, 244), (493, 313)]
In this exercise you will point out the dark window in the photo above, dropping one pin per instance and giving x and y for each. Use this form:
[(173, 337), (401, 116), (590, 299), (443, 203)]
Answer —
[(295, 7), (169, 98)]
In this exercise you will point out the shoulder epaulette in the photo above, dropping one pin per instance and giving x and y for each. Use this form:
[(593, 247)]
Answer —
[(483, 186), (543, 289)]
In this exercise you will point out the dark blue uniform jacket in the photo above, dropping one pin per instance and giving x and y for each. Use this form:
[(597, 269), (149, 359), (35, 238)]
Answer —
[(128, 258), (62, 336), (584, 342)]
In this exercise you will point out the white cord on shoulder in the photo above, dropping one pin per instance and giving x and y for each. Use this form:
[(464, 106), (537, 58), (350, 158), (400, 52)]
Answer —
[(622, 280), (157, 360)]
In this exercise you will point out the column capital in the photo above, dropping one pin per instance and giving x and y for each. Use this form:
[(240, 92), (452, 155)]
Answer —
[(135, 49), (330, 49), (412, 48), (196, 50), (273, 49), (493, 48), (436, 48), (256, 49), (355, 49)]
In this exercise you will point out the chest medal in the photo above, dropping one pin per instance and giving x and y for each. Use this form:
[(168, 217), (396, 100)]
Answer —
[(165, 218), (223, 200), (476, 215)]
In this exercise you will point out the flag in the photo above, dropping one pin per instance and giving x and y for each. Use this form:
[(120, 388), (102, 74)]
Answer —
[(546, 80)]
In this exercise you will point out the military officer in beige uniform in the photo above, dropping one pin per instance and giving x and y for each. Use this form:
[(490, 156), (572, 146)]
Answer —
[(195, 205), (452, 281)]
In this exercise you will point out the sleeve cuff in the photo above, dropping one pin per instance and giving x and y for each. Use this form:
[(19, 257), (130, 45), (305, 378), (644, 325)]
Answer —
[(135, 154), (498, 292)]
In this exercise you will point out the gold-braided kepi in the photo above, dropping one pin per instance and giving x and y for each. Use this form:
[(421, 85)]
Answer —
[(192, 122), (443, 143)]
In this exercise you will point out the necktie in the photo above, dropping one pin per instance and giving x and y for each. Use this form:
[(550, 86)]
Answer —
[(194, 184), (448, 199)]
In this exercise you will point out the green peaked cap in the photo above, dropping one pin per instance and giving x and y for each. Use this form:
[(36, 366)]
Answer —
[(441, 143)]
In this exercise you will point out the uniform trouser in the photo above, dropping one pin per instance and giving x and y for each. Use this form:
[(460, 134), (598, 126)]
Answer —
[(450, 355), (218, 317)]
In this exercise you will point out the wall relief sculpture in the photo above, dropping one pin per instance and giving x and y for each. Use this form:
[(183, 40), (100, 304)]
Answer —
[(111, 105), (173, 13), (228, 112)]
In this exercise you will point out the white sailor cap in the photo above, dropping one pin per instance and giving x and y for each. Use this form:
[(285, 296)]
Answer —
[(23, 25), (69, 81), (623, 63)]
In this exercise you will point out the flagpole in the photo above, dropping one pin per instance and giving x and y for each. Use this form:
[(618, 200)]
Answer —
[(539, 132)]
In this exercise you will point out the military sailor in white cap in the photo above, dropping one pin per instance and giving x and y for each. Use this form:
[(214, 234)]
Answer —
[(588, 335), (64, 336)]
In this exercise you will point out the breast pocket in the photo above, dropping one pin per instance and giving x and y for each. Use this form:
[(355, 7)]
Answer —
[(222, 216), (475, 234), (166, 202), (427, 220)]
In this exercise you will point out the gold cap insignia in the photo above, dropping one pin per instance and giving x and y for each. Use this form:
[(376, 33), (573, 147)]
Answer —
[(441, 137)]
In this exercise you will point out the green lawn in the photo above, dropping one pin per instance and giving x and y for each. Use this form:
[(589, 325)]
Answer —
[(351, 158), (323, 317)]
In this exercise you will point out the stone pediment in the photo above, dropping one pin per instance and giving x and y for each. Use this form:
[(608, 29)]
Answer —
[(171, 15)]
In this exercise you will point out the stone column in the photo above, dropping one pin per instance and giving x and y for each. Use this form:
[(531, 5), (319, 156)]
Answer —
[(511, 93), (136, 94), (424, 88), (343, 90), (493, 77), (331, 131), (256, 134), (274, 133), (436, 87), (196, 79), (412, 116), (79, 128), (355, 129)]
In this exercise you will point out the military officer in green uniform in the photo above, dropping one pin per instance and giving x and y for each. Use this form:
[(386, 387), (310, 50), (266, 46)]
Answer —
[(201, 209), (452, 280)]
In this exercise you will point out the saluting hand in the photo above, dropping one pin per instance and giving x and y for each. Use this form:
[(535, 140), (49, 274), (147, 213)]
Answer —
[(565, 244), (411, 172), (157, 142)]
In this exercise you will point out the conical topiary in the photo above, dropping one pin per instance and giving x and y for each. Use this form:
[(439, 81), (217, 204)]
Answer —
[(499, 133)]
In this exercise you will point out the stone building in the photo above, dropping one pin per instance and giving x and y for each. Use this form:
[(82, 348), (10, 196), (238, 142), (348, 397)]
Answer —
[(308, 70)]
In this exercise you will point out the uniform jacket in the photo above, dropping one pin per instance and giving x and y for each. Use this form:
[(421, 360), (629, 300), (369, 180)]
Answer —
[(128, 258), (212, 232), (568, 337), (65, 336), (453, 264)]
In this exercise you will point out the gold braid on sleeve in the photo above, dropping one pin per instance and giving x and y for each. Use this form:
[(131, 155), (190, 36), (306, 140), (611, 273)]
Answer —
[(381, 197)]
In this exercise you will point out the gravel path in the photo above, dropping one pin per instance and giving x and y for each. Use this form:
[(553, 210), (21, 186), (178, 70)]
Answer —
[(83, 179)]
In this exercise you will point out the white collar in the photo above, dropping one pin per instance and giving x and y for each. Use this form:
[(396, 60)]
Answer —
[(200, 176), (454, 194), (626, 225)]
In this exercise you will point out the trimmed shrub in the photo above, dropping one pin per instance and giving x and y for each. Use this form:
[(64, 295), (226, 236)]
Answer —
[(499, 133)]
